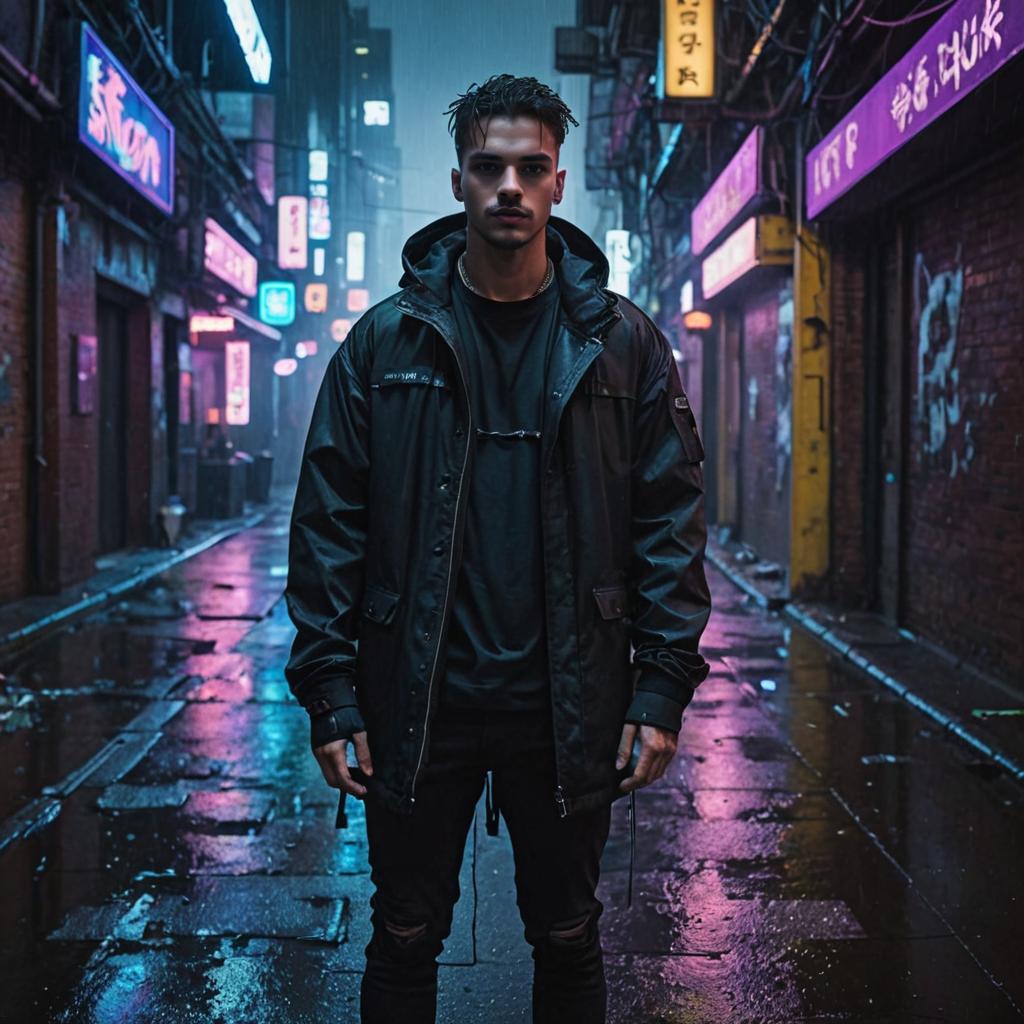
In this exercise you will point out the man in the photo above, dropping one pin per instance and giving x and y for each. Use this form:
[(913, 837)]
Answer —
[(501, 493)]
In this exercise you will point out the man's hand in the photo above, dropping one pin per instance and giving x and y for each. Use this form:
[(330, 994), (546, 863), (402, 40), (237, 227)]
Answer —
[(334, 763), (658, 747)]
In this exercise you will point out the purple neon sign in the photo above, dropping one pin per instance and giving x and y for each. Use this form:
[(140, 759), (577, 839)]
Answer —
[(970, 42), (731, 191), (123, 126)]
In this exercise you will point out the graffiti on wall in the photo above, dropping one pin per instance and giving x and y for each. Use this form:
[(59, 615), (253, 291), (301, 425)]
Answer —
[(939, 408), (783, 387)]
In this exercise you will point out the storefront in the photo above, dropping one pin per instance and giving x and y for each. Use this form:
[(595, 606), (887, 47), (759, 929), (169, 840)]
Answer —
[(928, 319)]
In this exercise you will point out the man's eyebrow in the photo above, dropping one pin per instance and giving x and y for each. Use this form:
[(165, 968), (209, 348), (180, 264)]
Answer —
[(532, 158)]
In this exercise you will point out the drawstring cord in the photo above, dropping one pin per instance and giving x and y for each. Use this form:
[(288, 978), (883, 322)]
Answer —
[(491, 814)]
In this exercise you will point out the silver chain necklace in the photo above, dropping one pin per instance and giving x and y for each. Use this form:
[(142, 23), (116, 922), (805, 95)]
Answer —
[(548, 277)]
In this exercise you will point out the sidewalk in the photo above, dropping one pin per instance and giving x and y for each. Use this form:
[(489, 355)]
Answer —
[(981, 711), (27, 620)]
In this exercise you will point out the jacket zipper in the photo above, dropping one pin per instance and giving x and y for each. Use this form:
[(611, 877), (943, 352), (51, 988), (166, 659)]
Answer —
[(455, 531)]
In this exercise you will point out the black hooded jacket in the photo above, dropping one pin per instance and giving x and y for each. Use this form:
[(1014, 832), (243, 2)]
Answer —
[(377, 525)]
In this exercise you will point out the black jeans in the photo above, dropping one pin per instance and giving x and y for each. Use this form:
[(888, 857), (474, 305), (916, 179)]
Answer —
[(415, 863)]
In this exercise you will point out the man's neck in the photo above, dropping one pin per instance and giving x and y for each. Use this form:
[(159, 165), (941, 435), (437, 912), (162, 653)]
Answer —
[(506, 275)]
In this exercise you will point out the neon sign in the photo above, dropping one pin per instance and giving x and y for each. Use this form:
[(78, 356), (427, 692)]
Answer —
[(236, 379), (292, 232), (969, 43), (731, 191), (210, 323), (316, 298), (255, 47), (277, 303), (355, 256), (760, 241), (285, 367), (229, 260), (123, 126)]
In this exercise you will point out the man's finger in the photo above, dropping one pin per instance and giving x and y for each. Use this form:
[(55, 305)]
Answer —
[(334, 764), (641, 772), (625, 745), (363, 752)]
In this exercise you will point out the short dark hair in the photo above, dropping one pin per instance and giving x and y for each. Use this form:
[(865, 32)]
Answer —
[(507, 96)]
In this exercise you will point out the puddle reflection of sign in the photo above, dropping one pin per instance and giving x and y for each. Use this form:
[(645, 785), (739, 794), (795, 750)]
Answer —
[(229, 260), (123, 126), (292, 232), (316, 298), (688, 30), (236, 377), (277, 303)]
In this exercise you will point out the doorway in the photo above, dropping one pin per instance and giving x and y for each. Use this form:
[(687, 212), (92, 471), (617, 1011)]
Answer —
[(112, 332)]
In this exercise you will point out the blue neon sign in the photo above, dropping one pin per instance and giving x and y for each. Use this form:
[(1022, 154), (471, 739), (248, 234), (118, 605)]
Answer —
[(123, 126), (255, 47), (277, 303)]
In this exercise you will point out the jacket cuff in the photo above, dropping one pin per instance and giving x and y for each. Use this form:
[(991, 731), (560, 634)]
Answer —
[(655, 709), (337, 724), (325, 696)]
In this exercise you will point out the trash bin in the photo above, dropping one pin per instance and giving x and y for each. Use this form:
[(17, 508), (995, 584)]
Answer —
[(261, 471), (221, 487)]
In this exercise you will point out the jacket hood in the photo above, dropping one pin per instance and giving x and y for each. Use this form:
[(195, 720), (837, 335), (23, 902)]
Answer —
[(429, 260)]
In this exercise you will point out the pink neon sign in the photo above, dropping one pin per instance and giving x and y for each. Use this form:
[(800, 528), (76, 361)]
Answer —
[(731, 191), (229, 260), (731, 260), (292, 232), (236, 380)]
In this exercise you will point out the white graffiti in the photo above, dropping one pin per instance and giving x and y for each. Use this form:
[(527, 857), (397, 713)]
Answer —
[(937, 302)]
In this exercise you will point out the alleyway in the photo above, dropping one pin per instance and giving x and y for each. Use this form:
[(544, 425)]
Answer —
[(815, 853)]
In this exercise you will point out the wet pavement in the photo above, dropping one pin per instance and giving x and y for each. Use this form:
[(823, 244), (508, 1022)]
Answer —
[(817, 852)]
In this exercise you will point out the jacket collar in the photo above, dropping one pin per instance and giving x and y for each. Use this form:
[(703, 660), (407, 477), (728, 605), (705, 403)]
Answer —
[(429, 260)]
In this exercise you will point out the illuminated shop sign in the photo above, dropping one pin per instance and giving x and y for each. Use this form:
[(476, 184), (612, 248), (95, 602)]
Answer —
[(236, 378), (305, 349), (228, 259), (318, 165), (286, 367), (970, 42), (688, 36), (319, 218), (292, 232), (319, 261), (376, 112), (210, 323), (123, 126), (759, 241), (731, 191), (255, 47), (355, 256), (315, 298), (616, 249), (277, 303), (357, 300), (340, 329)]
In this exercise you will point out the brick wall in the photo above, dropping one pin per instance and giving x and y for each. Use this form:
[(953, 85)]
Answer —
[(16, 220), (765, 397), (965, 511)]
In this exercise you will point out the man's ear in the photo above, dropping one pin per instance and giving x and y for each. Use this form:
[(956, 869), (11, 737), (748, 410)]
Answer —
[(457, 185), (559, 187)]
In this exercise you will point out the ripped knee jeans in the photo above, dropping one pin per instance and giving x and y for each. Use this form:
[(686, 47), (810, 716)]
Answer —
[(415, 862)]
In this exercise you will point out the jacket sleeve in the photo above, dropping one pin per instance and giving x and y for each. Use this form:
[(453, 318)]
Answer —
[(670, 596), (327, 540)]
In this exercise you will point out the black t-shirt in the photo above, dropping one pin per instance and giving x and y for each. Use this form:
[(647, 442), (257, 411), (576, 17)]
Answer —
[(497, 651)]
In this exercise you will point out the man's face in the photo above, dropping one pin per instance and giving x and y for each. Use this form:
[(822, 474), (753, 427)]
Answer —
[(509, 179)]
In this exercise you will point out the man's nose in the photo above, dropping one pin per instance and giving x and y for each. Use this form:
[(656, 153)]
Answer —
[(509, 187)]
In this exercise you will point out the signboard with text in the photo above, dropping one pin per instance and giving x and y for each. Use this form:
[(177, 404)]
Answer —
[(970, 42), (730, 193), (120, 124), (228, 259), (688, 39), (237, 383), (759, 241), (292, 232)]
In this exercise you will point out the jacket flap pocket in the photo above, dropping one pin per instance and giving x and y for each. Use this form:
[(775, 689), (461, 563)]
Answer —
[(379, 604), (686, 426), (407, 375), (611, 601)]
